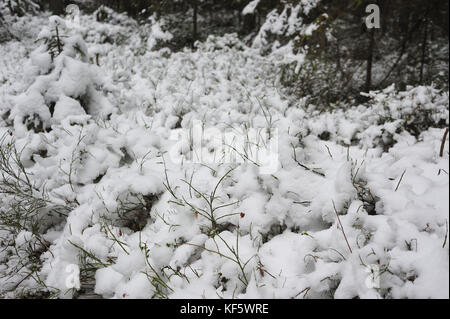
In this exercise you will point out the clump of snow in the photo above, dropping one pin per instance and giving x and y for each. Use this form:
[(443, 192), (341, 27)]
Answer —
[(251, 7), (157, 34)]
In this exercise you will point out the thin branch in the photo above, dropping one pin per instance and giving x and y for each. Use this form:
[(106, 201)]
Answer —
[(444, 139), (342, 228)]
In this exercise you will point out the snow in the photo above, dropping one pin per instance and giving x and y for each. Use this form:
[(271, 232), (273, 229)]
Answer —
[(251, 7), (137, 212), (67, 106)]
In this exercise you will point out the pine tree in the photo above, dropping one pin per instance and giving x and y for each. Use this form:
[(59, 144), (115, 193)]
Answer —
[(64, 82)]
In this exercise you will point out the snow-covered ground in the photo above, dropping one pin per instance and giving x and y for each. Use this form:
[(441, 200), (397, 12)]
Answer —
[(356, 207)]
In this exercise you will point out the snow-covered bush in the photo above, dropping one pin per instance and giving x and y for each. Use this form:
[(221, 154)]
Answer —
[(385, 117), (19, 7), (26, 214), (62, 82), (230, 41), (284, 32), (157, 36), (417, 108), (12, 14), (288, 24)]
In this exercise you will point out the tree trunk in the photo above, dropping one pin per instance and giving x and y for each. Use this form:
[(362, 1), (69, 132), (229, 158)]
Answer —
[(194, 31), (424, 48), (370, 60), (57, 7)]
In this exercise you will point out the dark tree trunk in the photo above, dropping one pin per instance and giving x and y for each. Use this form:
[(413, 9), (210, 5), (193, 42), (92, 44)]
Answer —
[(195, 30), (57, 7), (424, 48), (368, 85), (249, 23)]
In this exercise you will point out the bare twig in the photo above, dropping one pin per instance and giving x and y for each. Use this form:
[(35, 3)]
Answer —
[(444, 139), (303, 166), (446, 234), (342, 228), (400, 180), (305, 291)]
